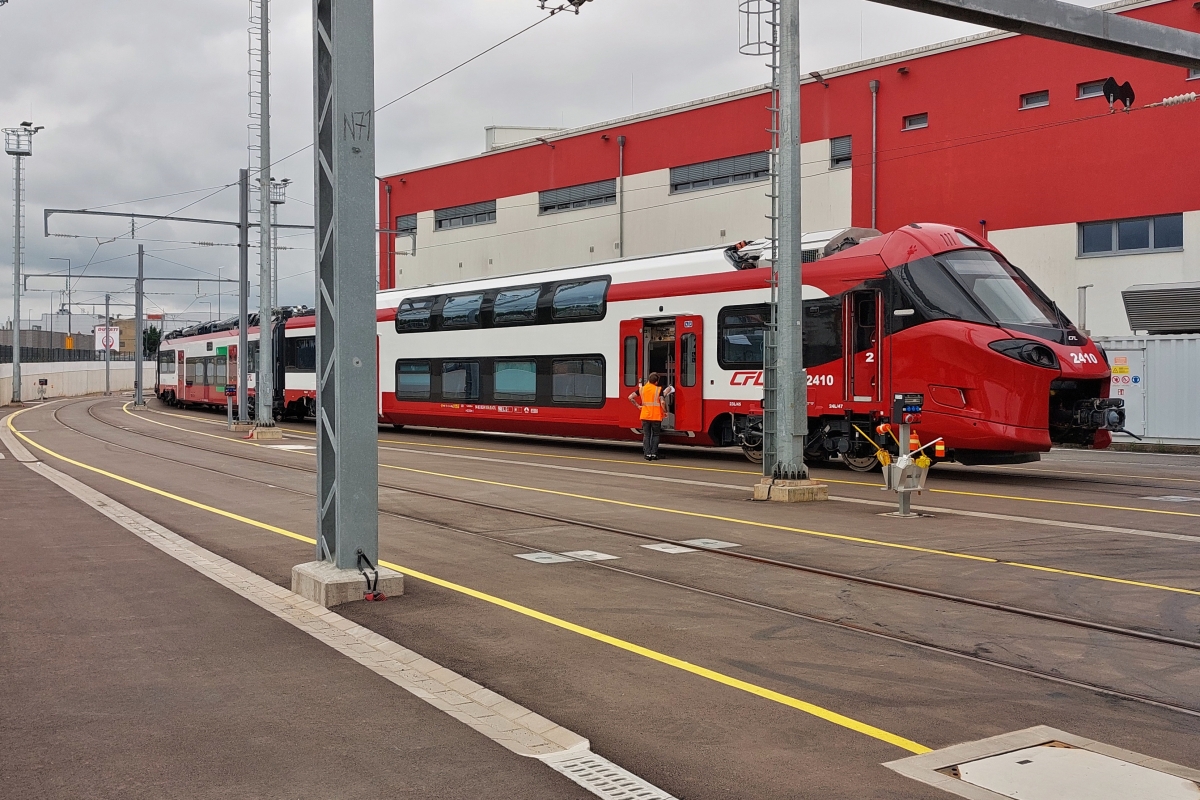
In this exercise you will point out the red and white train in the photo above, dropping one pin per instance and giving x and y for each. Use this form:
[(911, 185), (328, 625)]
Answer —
[(196, 364), (928, 308)]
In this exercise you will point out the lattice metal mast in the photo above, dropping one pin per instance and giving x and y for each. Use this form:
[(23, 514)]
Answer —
[(260, 24), (18, 143)]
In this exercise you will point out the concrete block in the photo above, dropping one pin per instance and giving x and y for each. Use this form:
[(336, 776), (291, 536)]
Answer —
[(328, 586), (762, 489), (797, 491), (241, 426), (268, 433)]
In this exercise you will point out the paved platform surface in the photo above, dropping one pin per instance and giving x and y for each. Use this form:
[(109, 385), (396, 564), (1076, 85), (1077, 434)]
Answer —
[(128, 674)]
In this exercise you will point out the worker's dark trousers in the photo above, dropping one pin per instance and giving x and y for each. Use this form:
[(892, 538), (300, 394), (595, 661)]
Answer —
[(651, 431)]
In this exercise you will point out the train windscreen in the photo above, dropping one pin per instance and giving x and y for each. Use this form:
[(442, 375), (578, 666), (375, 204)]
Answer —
[(998, 288)]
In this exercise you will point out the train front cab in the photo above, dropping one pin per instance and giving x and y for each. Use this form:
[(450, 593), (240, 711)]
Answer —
[(671, 346)]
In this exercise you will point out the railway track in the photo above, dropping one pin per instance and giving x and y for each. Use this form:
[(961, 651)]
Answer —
[(1075, 622)]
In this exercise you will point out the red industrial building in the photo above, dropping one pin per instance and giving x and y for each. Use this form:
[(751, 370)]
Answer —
[(998, 133)]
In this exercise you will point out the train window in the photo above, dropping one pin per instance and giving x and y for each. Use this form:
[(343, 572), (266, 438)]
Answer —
[(998, 287), (414, 315), (740, 332), (252, 364), (516, 306), (864, 323), (578, 381), (460, 380), (189, 374), (412, 380), (300, 354), (221, 367), (822, 331), (580, 301), (631, 360), (516, 381), (935, 293), (687, 359), (462, 311), (166, 362)]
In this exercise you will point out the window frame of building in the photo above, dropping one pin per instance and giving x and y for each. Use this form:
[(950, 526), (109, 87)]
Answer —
[(839, 157), (1114, 228), (704, 175), (1193, 74), (482, 213), (1084, 91), (915, 122), (1038, 99), (580, 196)]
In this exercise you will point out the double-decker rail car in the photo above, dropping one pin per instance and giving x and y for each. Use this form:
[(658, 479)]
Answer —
[(928, 308), (197, 364)]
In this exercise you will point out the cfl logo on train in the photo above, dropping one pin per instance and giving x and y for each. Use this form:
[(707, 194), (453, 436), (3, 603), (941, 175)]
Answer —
[(746, 378)]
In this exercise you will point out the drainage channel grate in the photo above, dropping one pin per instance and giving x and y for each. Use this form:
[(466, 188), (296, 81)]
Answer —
[(603, 778)]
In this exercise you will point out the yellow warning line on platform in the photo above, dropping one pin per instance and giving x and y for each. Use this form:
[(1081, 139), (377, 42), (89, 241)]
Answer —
[(756, 524), (662, 658)]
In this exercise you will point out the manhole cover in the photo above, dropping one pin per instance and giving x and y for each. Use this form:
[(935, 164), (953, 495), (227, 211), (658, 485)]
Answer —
[(663, 547), (589, 555), (713, 544), (544, 558)]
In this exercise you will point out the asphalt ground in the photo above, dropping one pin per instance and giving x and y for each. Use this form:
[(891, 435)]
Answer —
[(693, 734)]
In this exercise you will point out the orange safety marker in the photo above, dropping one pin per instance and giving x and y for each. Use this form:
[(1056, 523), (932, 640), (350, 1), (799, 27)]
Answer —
[(914, 443), (939, 449), (883, 427)]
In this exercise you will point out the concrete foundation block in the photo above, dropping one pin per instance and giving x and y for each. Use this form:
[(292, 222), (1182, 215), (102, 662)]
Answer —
[(328, 586), (266, 433), (241, 426), (790, 491)]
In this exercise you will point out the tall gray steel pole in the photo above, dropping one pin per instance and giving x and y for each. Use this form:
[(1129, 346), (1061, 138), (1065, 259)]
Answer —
[(264, 392), (107, 349), (792, 416), (16, 337), (138, 348), (347, 452), (243, 378)]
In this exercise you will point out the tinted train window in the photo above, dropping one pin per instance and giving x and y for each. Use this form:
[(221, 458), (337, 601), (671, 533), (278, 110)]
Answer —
[(578, 381), (687, 360), (936, 293), (822, 331), (460, 380), (414, 315), (580, 301), (412, 380), (300, 354), (740, 331), (462, 311), (516, 306), (516, 381), (631, 360), (222, 370), (166, 362)]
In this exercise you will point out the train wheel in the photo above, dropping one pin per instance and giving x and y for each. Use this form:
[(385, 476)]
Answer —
[(397, 426), (754, 454), (861, 463)]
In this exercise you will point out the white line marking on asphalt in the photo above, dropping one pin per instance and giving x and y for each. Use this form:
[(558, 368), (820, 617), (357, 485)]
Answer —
[(291, 446), (711, 544), (673, 549), (544, 558), (590, 555), (512, 726), (1174, 498)]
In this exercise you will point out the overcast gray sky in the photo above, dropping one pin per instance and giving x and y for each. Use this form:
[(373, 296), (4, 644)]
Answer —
[(142, 98)]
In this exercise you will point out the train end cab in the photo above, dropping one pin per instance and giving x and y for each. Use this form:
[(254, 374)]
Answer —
[(672, 347)]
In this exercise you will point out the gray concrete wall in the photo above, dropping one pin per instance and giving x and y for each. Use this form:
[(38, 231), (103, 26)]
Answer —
[(73, 379)]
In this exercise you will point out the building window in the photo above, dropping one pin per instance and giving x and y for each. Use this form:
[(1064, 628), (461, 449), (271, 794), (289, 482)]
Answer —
[(915, 121), (1136, 235), (1193, 74), (1035, 99), (723, 171), (1090, 89), (840, 152), (460, 380), (406, 224), (412, 380), (600, 193), (578, 381), (459, 216)]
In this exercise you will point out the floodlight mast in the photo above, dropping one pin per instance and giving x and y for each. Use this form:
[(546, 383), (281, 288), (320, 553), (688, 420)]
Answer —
[(18, 143), (264, 392)]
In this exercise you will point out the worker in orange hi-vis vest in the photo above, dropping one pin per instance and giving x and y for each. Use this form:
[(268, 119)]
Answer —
[(649, 398)]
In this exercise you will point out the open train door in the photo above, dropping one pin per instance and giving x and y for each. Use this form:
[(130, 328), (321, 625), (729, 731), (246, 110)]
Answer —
[(862, 340), (628, 415), (689, 380)]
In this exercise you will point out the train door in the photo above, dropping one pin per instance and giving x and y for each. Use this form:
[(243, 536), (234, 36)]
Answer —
[(659, 356), (180, 375), (689, 383), (631, 372), (862, 343)]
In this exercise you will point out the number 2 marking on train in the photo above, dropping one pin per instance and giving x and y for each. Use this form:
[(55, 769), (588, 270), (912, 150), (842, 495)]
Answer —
[(1084, 358), (870, 356)]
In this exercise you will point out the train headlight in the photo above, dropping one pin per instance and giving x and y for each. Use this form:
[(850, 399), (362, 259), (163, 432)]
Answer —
[(1027, 350)]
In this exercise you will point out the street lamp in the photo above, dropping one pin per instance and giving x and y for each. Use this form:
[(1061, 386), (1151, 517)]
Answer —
[(18, 143)]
